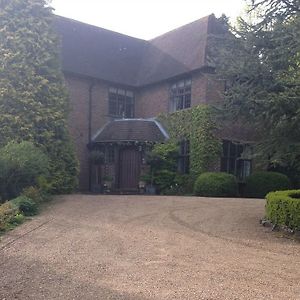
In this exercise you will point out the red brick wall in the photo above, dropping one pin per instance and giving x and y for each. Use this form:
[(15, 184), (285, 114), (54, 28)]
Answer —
[(149, 102), (215, 90), (153, 100), (79, 118), (99, 106), (199, 86)]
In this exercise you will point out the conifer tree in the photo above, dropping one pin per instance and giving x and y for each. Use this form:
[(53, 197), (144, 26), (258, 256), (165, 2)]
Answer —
[(260, 60)]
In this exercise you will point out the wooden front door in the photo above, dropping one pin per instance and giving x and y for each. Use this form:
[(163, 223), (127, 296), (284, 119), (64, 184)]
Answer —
[(129, 172)]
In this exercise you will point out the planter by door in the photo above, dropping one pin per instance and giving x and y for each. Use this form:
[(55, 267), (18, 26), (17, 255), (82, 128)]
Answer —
[(130, 167)]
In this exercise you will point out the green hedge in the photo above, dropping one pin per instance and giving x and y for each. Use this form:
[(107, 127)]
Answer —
[(216, 185), (283, 208), (259, 184)]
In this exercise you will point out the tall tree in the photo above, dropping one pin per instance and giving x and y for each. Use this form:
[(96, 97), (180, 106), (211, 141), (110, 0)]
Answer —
[(33, 98), (261, 63)]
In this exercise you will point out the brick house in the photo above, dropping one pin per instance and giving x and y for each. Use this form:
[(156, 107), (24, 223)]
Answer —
[(119, 84)]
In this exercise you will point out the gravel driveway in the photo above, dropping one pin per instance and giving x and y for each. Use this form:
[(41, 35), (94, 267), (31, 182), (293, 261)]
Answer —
[(138, 247)]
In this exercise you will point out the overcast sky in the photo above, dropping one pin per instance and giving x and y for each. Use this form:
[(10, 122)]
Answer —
[(144, 18)]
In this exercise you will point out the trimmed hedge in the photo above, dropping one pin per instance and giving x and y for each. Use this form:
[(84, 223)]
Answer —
[(283, 208), (219, 184), (259, 184)]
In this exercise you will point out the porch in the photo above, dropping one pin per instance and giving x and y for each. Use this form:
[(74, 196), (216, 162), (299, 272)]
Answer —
[(118, 155)]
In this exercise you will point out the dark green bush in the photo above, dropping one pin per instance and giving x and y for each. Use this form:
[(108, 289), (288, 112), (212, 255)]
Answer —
[(181, 185), (21, 164), (216, 185), (283, 208), (259, 184), (26, 205), (164, 180), (17, 219)]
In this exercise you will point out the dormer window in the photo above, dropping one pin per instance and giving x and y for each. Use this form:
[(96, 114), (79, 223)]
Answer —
[(181, 94), (121, 103)]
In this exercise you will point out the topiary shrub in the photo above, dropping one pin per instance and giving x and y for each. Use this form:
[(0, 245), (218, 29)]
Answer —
[(283, 208), (259, 184), (216, 185), (26, 205)]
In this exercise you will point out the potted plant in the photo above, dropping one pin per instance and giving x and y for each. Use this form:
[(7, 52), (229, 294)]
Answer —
[(107, 183)]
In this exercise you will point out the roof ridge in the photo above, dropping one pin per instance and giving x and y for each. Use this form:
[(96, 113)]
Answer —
[(98, 27), (180, 27)]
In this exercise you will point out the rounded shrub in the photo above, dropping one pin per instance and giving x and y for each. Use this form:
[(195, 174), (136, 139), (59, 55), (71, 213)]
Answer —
[(216, 185), (259, 184), (283, 208), (21, 164), (26, 205)]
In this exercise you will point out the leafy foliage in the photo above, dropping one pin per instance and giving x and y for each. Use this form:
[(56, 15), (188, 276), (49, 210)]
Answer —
[(8, 212), (260, 62), (33, 98), (216, 185), (26, 205), (163, 161), (283, 208), (260, 183), (21, 164), (198, 126), (33, 193)]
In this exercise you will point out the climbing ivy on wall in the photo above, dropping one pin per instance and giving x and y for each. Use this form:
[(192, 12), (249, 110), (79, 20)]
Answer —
[(197, 125)]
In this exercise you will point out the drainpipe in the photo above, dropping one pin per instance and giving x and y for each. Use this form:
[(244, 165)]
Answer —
[(91, 86)]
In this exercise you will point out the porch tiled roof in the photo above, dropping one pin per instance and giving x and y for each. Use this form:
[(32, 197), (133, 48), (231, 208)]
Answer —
[(124, 130)]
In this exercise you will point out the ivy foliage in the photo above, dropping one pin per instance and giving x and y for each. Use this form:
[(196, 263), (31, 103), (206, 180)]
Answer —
[(33, 98), (197, 125)]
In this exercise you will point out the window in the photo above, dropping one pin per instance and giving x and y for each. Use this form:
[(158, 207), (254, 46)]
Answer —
[(121, 103), (184, 157), (234, 159), (109, 154), (181, 95)]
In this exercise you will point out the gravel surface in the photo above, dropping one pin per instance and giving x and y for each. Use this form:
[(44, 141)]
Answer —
[(139, 247)]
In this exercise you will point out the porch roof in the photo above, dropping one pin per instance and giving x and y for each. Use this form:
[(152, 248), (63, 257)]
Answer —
[(131, 130)]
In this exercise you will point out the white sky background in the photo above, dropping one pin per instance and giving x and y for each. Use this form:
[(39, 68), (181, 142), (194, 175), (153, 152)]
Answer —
[(145, 19)]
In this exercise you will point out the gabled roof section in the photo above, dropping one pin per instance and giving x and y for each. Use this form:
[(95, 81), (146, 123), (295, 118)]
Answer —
[(99, 53), (173, 53), (103, 54), (130, 130)]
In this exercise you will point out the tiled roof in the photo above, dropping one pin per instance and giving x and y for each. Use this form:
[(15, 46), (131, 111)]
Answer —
[(99, 53), (124, 130)]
